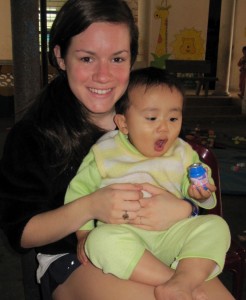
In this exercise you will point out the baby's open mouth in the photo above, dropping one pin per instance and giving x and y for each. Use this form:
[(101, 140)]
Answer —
[(159, 145)]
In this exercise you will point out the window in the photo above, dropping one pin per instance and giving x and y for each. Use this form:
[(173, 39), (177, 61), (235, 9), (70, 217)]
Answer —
[(52, 7)]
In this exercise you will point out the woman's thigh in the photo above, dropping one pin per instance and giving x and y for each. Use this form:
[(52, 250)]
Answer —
[(88, 282), (216, 290)]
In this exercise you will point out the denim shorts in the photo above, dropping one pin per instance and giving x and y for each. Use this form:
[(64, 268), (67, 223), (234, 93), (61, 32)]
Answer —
[(57, 273)]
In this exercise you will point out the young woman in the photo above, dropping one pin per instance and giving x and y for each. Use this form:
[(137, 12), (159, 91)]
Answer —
[(93, 44)]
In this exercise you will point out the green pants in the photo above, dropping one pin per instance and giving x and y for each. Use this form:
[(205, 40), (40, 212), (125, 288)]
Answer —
[(117, 249)]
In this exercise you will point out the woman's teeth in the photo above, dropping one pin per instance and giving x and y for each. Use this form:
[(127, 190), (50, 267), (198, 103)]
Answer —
[(100, 92)]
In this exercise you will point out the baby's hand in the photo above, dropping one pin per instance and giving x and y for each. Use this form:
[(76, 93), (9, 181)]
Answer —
[(200, 193)]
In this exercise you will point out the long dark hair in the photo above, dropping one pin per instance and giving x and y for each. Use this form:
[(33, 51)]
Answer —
[(61, 119), (77, 15)]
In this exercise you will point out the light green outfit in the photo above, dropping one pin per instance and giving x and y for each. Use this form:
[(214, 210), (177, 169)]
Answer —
[(117, 249)]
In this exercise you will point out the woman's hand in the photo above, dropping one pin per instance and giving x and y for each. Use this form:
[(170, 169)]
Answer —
[(161, 210), (111, 203)]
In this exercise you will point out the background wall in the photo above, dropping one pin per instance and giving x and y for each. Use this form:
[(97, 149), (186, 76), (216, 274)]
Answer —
[(183, 24), (193, 15), (186, 21), (5, 31)]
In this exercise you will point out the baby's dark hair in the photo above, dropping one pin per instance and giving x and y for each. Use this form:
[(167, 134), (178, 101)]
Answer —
[(244, 48), (148, 77)]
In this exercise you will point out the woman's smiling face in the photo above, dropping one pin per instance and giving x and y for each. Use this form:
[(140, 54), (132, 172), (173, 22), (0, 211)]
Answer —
[(97, 65)]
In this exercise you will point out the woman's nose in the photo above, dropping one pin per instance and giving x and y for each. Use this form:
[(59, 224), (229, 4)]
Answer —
[(102, 72)]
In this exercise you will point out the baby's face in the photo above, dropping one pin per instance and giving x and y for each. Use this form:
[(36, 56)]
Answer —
[(154, 119)]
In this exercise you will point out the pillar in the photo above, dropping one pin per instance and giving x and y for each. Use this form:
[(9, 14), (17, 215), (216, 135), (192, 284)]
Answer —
[(26, 57), (225, 47)]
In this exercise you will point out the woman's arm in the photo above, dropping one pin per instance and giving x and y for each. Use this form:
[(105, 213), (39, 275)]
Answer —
[(241, 61), (107, 204)]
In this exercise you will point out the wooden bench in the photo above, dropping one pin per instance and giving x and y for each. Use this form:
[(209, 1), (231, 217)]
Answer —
[(196, 71)]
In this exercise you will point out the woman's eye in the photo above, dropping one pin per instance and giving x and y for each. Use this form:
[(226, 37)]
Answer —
[(118, 59), (86, 59)]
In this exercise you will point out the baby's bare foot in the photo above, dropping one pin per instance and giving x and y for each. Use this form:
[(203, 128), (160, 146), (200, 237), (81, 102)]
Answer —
[(161, 295), (199, 294), (174, 291), (171, 292)]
